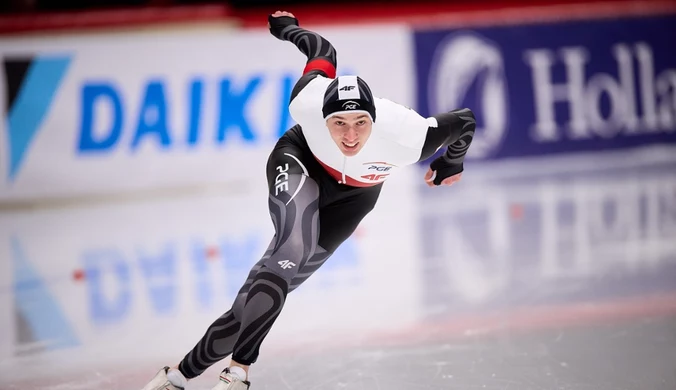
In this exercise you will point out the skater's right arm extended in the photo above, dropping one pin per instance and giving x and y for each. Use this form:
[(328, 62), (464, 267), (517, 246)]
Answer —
[(320, 53)]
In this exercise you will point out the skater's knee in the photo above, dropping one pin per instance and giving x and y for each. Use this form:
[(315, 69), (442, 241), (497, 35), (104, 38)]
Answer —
[(269, 282)]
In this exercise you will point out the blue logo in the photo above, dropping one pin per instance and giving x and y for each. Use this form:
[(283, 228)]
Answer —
[(31, 104), (113, 117)]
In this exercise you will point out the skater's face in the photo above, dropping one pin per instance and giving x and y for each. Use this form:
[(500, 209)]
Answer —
[(350, 131)]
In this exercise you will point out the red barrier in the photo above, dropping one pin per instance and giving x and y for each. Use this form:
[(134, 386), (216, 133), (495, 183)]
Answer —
[(413, 13), (112, 18), (423, 13)]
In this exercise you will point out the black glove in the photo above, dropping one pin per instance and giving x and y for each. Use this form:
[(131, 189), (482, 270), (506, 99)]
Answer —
[(278, 24), (444, 168)]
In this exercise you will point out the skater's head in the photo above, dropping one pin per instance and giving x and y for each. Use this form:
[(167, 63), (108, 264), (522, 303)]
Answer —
[(349, 112)]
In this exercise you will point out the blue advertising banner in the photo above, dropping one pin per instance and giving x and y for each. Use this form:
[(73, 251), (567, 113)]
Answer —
[(546, 89)]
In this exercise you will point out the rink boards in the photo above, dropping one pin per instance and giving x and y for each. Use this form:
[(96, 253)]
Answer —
[(83, 117)]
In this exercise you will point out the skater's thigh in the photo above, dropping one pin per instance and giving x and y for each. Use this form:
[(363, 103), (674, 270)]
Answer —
[(284, 160), (294, 208)]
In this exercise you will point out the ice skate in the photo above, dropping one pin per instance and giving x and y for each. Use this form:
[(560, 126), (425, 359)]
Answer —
[(167, 379), (230, 381)]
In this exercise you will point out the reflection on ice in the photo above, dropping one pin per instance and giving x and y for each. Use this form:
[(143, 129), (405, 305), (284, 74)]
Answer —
[(131, 286)]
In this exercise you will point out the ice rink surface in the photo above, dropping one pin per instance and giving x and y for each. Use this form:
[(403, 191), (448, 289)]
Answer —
[(537, 274)]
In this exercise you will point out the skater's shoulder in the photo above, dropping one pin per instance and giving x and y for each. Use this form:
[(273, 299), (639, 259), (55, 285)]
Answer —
[(399, 122)]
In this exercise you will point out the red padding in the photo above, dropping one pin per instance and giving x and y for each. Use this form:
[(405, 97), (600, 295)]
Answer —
[(323, 65)]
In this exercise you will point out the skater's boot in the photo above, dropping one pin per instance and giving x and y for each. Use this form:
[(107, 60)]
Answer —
[(230, 381), (167, 379)]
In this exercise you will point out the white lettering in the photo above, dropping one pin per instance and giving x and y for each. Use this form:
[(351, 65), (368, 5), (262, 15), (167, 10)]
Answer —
[(547, 93), (647, 84), (622, 54), (607, 128), (666, 92), (281, 181), (584, 95)]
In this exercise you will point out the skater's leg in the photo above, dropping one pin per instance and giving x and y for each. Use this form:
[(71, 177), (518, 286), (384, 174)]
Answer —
[(337, 221), (294, 208), (271, 285), (219, 339), (293, 203)]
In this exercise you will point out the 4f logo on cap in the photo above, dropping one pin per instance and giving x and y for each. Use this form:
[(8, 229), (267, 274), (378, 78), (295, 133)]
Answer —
[(347, 88), (350, 105)]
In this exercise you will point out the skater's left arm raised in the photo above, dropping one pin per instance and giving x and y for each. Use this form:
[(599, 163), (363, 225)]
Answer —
[(320, 53)]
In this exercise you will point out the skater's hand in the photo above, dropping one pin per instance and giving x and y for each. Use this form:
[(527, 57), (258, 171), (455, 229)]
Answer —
[(449, 181), (282, 13), (280, 20), (443, 171)]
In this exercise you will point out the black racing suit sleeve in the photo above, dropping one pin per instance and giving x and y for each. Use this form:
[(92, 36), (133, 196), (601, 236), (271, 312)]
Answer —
[(320, 53), (455, 131)]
